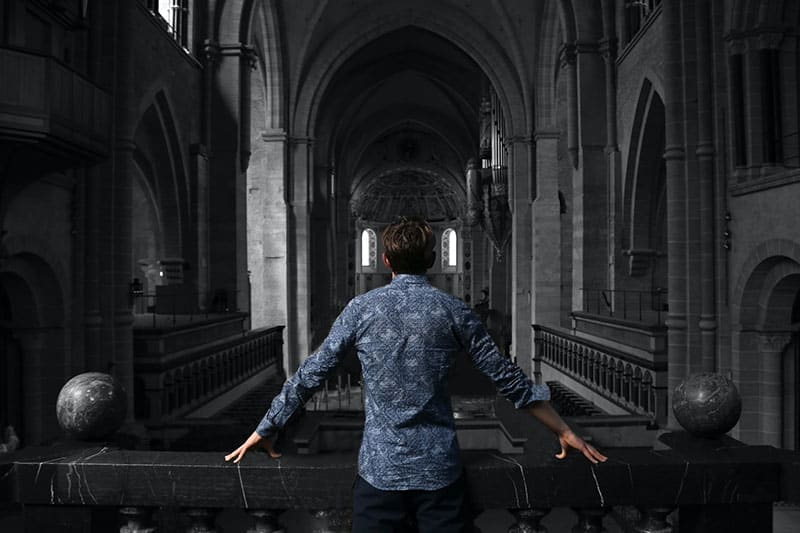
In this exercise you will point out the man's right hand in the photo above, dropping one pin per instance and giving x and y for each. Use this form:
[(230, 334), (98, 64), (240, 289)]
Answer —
[(253, 441), (568, 439)]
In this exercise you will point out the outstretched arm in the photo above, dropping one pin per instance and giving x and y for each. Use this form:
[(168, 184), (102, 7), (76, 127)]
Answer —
[(512, 382), (548, 416), (301, 386)]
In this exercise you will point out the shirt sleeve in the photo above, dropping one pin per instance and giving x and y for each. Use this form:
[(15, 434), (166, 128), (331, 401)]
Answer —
[(312, 373), (509, 379)]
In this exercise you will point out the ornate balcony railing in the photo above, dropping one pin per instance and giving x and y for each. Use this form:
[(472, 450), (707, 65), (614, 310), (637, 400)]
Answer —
[(714, 485), (633, 383), (173, 383)]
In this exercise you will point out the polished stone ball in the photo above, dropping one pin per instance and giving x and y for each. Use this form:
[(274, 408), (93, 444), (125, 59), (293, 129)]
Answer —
[(91, 406), (707, 404)]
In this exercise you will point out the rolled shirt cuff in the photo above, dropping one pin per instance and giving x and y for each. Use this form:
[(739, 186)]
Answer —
[(536, 393)]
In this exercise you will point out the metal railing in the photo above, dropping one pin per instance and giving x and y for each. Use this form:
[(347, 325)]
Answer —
[(645, 307), (636, 14), (174, 308)]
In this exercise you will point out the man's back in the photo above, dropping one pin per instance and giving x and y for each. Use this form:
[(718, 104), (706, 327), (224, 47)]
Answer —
[(407, 335)]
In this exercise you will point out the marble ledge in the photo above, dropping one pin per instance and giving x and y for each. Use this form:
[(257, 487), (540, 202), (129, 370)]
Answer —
[(716, 473)]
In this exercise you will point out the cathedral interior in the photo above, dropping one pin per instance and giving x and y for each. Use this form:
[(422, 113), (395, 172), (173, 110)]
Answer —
[(192, 190)]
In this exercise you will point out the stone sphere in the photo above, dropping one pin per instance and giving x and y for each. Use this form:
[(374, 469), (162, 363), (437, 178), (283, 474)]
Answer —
[(91, 406), (707, 404)]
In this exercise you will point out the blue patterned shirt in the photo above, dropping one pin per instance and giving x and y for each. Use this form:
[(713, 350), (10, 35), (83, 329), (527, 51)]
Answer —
[(406, 334)]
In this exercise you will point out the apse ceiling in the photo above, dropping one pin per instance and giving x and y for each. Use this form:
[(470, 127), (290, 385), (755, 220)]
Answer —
[(398, 122)]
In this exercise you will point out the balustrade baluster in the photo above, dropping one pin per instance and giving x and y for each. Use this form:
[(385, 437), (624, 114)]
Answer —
[(590, 520), (201, 520), (265, 522), (332, 521), (136, 520), (654, 520), (528, 521)]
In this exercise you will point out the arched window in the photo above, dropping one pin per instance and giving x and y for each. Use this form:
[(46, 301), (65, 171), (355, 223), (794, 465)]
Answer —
[(449, 248), (369, 244)]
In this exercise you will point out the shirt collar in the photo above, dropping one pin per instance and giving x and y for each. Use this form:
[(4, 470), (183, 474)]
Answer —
[(413, 279)]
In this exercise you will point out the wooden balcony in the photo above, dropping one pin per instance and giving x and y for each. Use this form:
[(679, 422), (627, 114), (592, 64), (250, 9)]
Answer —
[(45, 103)]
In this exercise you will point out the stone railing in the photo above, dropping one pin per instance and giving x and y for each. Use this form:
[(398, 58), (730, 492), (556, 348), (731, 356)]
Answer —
[(714, 485), (172, 384), (634, 384)]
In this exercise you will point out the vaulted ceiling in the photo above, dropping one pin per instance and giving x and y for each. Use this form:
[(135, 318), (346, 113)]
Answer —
[(398, 122)]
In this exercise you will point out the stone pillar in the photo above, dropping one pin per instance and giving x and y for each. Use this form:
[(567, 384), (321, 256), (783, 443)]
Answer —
[(199, 163), (96, 190), (136, 520), (298, 328), (520, 190), (674, 154), (332, 521), (590, 180), (267, 230), (119, 229), (227, 105), (705, 167), (546, 232), (265, 522), (590, 520), (654, 520), (528, 521), (608, 50), (770, 351)]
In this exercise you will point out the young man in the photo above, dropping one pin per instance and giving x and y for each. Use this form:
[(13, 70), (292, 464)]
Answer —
[(406, 335)]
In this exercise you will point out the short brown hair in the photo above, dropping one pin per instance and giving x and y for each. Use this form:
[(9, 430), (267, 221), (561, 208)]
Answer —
[(408, 244)]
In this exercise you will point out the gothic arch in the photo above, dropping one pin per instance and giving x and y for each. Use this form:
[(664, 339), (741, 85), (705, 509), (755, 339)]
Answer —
[(762, 314), (644, 196), (36, 321), (748, 293), (361, 30), (159, 156)]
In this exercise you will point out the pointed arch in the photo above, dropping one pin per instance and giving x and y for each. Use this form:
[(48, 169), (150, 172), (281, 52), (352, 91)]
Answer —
[(644, 186), (363, 29)]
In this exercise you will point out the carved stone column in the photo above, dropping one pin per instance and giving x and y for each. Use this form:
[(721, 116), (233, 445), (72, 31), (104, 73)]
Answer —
[(590, 520), (201, 520), (136, 520), (528, 521), (333, 521), (265, 521), (654, 520), (771, 345)]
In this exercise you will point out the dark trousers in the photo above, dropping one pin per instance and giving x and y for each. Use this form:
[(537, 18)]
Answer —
[(402, 511)]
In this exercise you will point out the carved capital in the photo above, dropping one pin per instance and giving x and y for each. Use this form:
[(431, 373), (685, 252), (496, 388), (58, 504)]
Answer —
[(568, 55), (770, 40), (608, 49), (774, 341), (249, 54), (211, 52), (528, 521)]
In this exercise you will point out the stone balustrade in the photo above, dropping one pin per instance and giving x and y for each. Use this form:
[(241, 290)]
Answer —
[(696, 485), (174, 383), (635, 384)]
